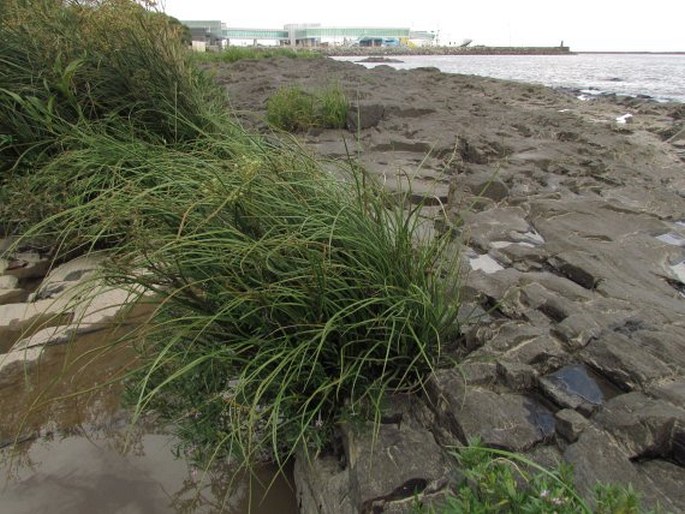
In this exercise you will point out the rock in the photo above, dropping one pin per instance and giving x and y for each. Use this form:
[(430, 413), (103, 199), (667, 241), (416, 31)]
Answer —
[(395, 465), (577, 330), (517, 376), (510, 421), (478, 373), (570, 424), (625, 363), (672, 391), (66, 276), (481, 184), (323, 486), (667, 480), (579, 267), (10, 292), (15, 364), (644, 426), (543, 352), (597, 458), (18, 319), (25, 265), (364, 115), (573, 387)]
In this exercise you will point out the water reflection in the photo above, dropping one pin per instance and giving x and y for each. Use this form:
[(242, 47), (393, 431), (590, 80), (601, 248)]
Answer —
[(68, 447)]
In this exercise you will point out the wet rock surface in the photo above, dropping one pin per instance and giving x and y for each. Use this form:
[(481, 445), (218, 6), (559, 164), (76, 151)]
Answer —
[(573, 225)]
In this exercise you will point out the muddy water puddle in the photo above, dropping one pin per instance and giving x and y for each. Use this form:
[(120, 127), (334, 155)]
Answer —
[(67, 445)]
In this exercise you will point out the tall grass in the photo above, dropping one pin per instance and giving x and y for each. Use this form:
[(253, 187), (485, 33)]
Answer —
[(67, 63), (287, 296)]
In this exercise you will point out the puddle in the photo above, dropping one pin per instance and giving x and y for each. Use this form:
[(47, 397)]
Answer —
[(576, 387), (72, 457), (485, 263), (87, 473), (671, 238)]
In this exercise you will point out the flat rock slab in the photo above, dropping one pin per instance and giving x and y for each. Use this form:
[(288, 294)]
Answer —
[(394, 465), (625, 362), (573, 387), (509, 421), (644, 426)]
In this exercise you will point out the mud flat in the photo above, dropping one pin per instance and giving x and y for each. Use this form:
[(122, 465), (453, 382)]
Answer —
[(570, 219)]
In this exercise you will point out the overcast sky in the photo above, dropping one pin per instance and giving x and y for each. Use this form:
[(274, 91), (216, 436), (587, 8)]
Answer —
[(657, 25)]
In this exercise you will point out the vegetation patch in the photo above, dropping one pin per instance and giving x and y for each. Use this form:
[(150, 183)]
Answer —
[(240, 53), (498, 481), (293, 109), (288, 297)]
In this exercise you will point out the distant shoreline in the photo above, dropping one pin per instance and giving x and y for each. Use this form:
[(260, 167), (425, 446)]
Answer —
[(638, 52), (336, 51)]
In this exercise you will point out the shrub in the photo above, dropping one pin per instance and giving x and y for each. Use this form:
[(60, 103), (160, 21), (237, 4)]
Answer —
[(293, 109)]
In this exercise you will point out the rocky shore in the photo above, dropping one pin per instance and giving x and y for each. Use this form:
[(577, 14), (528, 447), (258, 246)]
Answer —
[(569, 217), (335, 51), (568, 220)]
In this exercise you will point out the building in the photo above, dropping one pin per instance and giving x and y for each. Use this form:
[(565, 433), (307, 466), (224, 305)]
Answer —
[(305, 34)]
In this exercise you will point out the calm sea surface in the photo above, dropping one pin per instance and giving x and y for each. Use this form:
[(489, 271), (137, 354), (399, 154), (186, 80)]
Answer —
[(659, 76)]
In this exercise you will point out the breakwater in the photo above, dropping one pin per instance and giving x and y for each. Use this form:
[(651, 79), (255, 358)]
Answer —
[(338, 51)]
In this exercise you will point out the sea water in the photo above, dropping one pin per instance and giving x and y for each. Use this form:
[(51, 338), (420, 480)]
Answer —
[(661, 76)]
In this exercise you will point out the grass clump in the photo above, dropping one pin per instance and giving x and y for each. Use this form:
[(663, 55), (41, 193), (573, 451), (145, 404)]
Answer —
[(293, 109), (498, 481), (70, 63), (286, 296), (239, 53)]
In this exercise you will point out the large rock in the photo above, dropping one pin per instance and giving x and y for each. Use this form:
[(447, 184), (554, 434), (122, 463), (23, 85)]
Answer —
[(645, 427), (21, 319), (394, 466), (625, 362), (510, 421), (323, 485), (385, 469)]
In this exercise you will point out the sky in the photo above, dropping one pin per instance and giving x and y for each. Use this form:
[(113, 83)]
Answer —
[(611, 25)]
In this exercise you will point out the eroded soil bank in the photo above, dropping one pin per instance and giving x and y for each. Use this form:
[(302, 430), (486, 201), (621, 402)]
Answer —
[(570, 219)]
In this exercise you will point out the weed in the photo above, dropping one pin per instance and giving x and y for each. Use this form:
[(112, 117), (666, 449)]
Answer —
[(498, 481)]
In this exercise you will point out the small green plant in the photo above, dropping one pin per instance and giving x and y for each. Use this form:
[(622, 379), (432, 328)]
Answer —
[(293, 109), (499, 482)]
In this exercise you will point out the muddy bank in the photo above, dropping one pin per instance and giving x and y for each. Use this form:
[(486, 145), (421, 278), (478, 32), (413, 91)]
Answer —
[(570, 218)]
